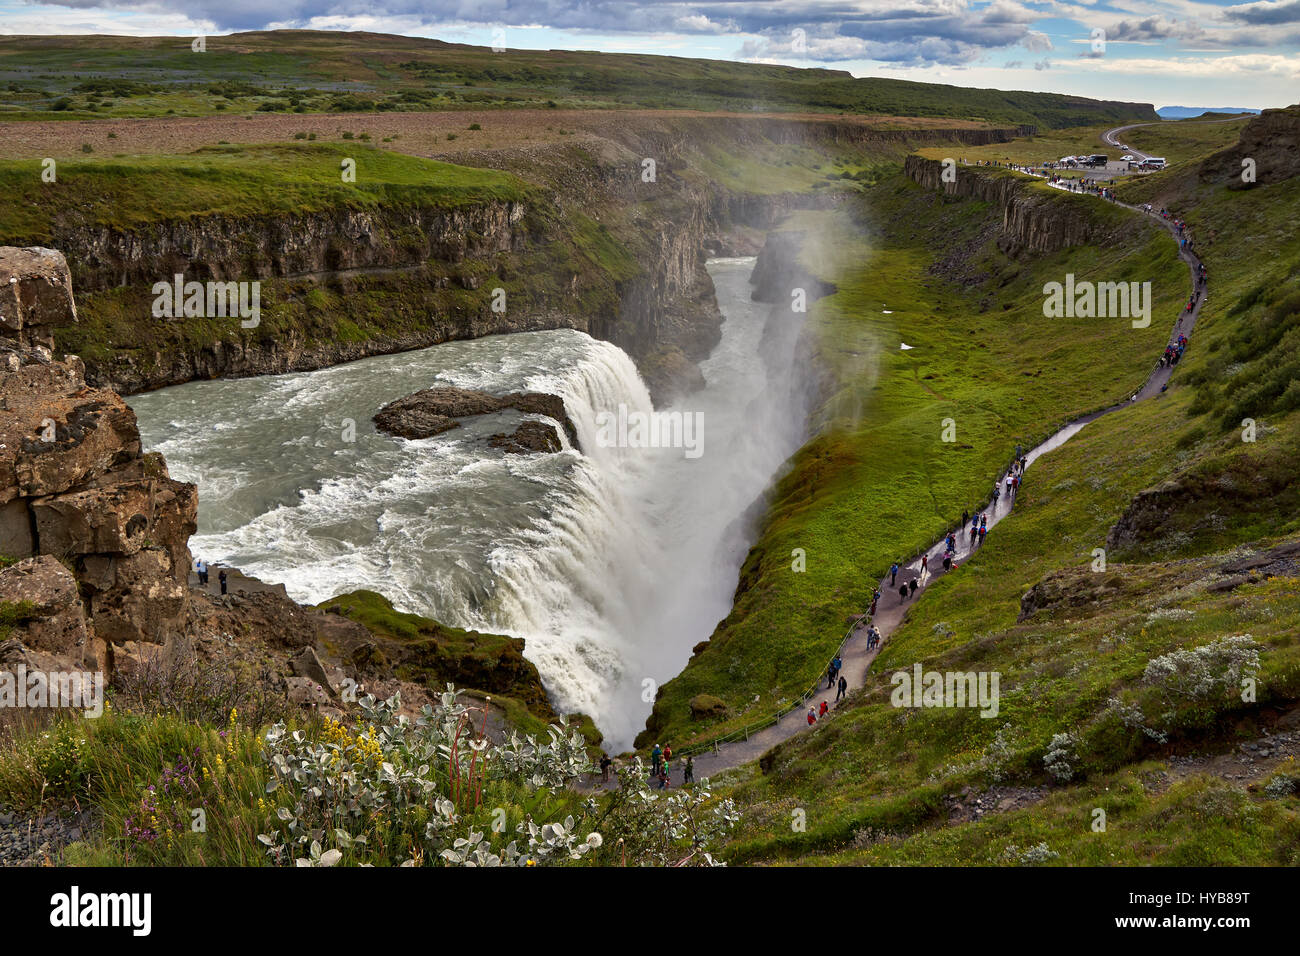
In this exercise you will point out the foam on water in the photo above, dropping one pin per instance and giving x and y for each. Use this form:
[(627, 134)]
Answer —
[(611, 562)]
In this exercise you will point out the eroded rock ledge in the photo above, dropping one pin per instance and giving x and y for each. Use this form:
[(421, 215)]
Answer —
[(82, 509), (432, 411)]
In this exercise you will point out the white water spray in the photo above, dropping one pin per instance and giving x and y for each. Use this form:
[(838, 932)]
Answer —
[(612, 563)]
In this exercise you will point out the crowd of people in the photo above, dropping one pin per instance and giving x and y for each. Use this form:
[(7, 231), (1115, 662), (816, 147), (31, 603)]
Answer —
[(977, 522), (1200, 284), (660, 767), (1174, 351)]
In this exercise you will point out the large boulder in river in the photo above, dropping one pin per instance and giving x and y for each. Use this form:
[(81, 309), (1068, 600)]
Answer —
[(432, 411), (531, 437)]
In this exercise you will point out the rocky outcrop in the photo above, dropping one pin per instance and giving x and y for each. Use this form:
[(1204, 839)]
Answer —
[(778, 271), (432, 411), (46, 615), (1271, 142), (707, 706), (414, 648), (75, 486), (224, 247), (1035, 220), (35, 295), (1080, 591), (529, 438)]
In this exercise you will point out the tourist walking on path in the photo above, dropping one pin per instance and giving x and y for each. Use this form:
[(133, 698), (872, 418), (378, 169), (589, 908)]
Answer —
[(656, 757), (843, 689), (688, 772), (976, 520)]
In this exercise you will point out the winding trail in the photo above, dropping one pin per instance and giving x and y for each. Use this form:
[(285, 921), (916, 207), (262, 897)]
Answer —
[(891, 609)]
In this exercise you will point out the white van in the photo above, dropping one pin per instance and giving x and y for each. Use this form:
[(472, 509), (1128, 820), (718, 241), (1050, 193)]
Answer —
[(1155, 162)]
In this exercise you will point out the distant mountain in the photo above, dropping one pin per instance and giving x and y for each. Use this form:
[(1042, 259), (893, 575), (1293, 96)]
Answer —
[(1187, 112)]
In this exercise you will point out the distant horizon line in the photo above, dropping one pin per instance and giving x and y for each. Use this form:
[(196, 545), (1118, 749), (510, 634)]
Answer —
[(820, 65)]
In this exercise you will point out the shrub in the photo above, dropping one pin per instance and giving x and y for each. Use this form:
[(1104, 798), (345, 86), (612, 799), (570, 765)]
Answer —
[(1196, 674), (1059, 754), (206, 693), (437, 790), (46, 766)]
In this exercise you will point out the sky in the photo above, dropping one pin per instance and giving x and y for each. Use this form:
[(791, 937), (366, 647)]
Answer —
[(1164, 52)]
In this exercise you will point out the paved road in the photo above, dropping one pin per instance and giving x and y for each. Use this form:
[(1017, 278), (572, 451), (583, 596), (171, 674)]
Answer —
[(891, 608), (1112, 136)]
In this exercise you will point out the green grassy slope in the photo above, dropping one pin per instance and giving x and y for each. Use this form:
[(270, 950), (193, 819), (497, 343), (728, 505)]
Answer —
[(878, 483), (304, 71), (881, 784), (123, 192)]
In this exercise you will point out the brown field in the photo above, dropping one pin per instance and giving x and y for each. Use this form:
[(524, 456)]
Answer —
[(420, 134)]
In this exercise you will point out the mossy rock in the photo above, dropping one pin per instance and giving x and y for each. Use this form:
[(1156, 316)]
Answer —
[(706, 705)]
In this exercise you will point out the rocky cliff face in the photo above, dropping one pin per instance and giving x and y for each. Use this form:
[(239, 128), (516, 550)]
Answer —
[(77, 496), (1271, 141), (1033, 221), (308, 244), (420, 274), (35, 295)]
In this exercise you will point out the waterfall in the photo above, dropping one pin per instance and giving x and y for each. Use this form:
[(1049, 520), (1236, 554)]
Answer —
[(611, 560)]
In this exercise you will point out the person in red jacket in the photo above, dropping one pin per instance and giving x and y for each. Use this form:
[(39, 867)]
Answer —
[(825, 708)]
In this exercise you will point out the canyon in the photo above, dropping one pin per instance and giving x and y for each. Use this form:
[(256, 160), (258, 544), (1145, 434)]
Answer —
[(585, 245)]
